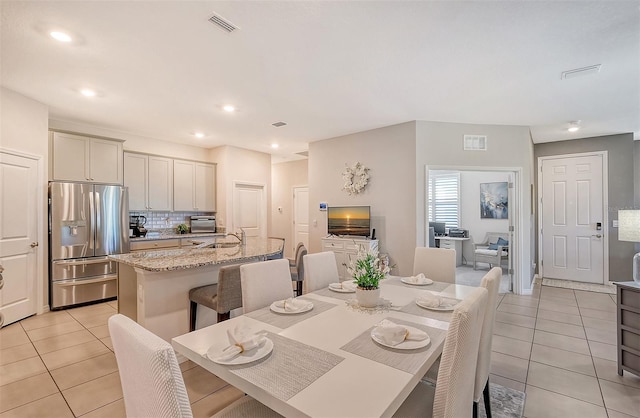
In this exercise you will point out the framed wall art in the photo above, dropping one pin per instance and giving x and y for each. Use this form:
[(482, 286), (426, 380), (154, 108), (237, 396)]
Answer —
[(494, 200)]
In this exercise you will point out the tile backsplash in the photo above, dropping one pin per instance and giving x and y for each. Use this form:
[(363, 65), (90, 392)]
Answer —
[(168, 220)]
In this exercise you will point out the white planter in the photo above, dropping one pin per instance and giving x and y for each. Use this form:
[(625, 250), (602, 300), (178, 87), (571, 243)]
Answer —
[(367, 298)]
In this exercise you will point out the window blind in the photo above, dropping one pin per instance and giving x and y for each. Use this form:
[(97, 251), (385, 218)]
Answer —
[(444, 198)]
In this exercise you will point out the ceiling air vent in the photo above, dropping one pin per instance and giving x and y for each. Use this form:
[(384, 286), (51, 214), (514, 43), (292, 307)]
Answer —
[(278, 124), (475, 142), (222, 23), (592, 69)]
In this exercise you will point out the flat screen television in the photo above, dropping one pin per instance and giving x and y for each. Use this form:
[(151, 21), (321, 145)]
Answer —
[(349, 220)]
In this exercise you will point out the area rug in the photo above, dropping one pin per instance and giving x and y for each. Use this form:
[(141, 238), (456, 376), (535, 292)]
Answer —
[(505, 402), (590, 287)]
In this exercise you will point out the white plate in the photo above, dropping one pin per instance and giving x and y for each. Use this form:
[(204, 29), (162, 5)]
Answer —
[(244, 358), (405, 345), (280, 310), (447, 304), (407, 281), (341, 290)]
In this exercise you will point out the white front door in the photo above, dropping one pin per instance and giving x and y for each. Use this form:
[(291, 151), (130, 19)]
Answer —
[(572, 218), (18, 236), (249, 209), (300, 216)]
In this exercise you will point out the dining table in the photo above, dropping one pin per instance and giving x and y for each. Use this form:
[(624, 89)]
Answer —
[(324, 362)]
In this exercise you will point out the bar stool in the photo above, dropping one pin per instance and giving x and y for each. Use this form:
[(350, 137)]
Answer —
[(222, 297), (297, 269)]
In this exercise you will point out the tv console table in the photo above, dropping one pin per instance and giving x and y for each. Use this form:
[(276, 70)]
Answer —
[(346, 249)]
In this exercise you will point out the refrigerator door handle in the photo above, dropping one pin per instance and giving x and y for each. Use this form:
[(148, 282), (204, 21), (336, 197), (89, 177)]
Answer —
[(94, 210)]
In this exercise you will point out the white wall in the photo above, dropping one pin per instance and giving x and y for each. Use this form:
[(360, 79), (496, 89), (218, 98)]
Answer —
[(440, 145), (389, 154), (239, 165), (284, 177), (24, 128), (470, 208)]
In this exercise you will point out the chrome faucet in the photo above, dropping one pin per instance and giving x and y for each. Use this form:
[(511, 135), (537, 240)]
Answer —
[(241, 236)]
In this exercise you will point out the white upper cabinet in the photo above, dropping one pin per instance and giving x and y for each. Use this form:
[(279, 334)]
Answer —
[(194, 186), (80, 158), (205, 191), (150, 181)]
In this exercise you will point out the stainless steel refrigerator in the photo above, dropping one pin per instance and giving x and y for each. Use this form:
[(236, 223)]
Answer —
[(87, 222)]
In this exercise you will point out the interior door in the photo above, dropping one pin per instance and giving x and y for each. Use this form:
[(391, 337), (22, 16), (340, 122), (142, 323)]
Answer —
[(300, 216), (18, 236), (572, 207), (249, 209)]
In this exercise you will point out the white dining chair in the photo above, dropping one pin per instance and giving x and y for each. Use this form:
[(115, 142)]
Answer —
[(491, 282), (438, 264), (453, 394), (320, 270), (264, 283), (151, 379)]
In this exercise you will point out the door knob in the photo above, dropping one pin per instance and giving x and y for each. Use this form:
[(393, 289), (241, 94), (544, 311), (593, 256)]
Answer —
[(597, 236), (34, 244)]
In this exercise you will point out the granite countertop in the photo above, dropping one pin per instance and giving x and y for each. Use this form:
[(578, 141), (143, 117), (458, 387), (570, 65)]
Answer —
[(229, 250), (172, 234)]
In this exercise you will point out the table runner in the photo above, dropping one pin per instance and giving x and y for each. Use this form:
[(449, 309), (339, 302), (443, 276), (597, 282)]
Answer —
[(286, 320), (405, 360), (290, 368)]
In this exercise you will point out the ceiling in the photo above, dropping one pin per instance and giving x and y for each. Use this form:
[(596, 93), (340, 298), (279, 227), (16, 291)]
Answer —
[(163, 71)]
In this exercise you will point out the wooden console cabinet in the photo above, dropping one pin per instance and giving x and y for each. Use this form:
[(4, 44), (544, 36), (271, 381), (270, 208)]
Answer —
[(346, 249), (628, 327)]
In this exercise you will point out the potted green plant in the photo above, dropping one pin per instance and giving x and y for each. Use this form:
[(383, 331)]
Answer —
[(367, 269), (182, 229)]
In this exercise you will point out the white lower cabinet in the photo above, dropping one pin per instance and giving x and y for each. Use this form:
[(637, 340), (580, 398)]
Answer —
[(346, 250)]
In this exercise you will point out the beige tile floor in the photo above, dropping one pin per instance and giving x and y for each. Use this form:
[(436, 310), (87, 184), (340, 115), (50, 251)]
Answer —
[(61, 364), (557, 345)]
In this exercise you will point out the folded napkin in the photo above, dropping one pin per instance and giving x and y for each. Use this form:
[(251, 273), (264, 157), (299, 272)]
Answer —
[(393, 334), (430, 300), (418, 279), (346, 285), (240, 340), (293, 305)]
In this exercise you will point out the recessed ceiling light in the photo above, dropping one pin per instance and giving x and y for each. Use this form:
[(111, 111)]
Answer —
[(574, 126), (60, 36), (229, 108), (274, 146), (198, 134), (88, 92)]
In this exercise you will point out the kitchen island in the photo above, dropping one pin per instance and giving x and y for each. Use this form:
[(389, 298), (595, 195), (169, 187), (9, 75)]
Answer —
[(153, 286)]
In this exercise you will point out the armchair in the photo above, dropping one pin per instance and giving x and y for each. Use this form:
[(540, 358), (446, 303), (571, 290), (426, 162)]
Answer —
[(491, 251)]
